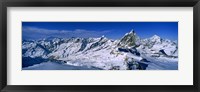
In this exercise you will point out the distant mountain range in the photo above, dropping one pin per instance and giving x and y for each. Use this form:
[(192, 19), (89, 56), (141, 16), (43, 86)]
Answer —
[(128, 53)]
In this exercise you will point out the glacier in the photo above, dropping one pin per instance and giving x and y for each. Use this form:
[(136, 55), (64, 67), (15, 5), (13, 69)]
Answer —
[(128, 53)]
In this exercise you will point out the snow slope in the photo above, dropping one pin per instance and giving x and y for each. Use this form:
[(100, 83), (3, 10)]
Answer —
[(57, 66)]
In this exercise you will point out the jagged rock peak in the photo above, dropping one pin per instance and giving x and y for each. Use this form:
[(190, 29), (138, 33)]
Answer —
[(129, 39), (132, 31)]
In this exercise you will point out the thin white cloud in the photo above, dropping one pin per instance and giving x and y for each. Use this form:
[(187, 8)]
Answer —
[(38, 33)]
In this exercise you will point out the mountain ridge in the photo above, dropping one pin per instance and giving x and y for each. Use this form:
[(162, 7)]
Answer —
[(103, 52)]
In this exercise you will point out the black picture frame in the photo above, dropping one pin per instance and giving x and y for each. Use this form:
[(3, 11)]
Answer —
[(99, 3)]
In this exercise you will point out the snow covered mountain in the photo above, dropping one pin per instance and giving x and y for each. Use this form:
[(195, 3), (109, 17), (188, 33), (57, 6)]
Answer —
[(128, 53)]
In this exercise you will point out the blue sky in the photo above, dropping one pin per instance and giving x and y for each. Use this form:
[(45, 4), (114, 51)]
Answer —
[(112, 30)]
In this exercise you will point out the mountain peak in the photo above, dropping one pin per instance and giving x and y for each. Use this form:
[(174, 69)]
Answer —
[(132, 31), (129, 39), (103, 37), (155, 37)]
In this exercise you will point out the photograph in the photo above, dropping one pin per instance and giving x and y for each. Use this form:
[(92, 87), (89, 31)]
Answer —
[(99, 45)]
